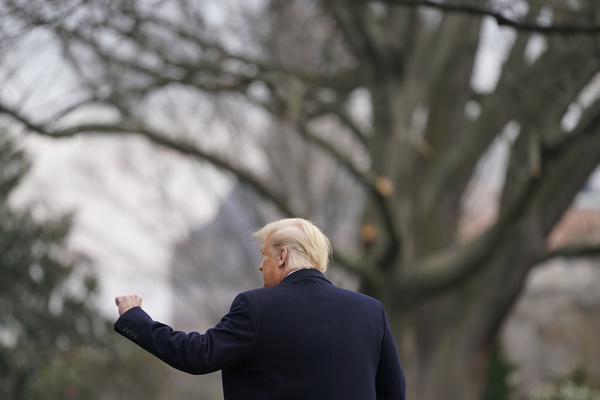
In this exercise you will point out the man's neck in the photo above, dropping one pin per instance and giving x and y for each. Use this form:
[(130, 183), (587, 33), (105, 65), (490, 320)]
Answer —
[(292, 271), (287, 273)]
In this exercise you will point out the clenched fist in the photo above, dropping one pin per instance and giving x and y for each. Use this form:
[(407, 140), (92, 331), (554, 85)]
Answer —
[(127, 301)]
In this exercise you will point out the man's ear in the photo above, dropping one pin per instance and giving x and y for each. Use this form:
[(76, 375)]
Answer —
[(283, 256)]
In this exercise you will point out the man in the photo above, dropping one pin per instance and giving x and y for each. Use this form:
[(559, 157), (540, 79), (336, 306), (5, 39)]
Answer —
[(299, 337)]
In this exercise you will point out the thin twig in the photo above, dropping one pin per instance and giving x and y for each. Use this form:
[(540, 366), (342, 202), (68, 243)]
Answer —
[(500, 19)]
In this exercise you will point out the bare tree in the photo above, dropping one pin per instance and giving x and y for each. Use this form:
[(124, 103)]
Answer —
[(383, 90)]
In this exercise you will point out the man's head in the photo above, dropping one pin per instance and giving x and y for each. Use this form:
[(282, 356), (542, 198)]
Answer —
[(291, 244)]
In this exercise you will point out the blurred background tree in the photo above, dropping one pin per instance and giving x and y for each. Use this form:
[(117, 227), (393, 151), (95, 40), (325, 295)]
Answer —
[(53, 343), (384, 94)]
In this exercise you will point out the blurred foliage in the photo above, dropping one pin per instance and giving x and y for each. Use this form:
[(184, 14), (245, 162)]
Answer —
[(566, 390), (573, 387), (53, 343), (113, 371), (499, 369)]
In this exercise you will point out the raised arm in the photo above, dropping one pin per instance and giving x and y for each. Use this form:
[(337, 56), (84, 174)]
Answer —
[(228, 343)]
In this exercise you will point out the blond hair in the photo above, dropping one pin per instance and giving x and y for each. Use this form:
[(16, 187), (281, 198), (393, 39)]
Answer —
[(307, 246)]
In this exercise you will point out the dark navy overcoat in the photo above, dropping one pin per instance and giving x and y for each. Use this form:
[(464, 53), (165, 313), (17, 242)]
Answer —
[(303, 339)]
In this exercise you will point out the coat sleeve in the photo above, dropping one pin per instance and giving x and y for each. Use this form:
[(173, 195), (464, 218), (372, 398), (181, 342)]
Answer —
[(390, 383), (228, 343)]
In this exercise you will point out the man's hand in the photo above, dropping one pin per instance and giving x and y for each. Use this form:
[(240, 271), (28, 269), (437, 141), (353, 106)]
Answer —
[(128, 301)]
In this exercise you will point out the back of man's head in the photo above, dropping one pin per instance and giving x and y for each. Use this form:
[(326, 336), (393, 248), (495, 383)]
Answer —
[(307, 246)]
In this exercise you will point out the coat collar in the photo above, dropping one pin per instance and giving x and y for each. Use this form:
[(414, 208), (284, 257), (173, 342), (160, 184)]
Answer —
[(302, 274)]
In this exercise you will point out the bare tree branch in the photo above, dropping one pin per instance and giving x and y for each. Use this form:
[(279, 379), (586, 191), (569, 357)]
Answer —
[(450, 267), (352, 263), (344, 118), (181, 146), (500, 19), (352, 20), (574, 251), (366, 178), (346, 79), (369, 181), (355, 264), (589, 119)]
